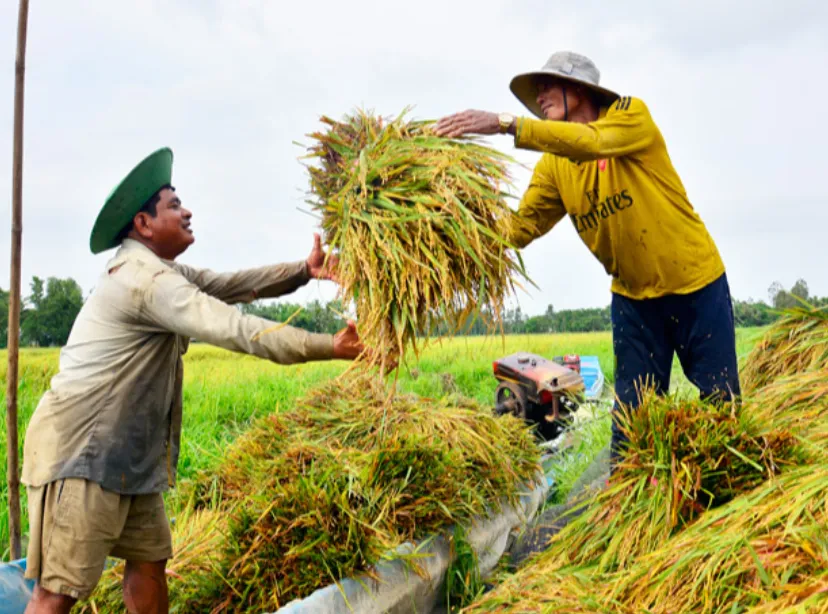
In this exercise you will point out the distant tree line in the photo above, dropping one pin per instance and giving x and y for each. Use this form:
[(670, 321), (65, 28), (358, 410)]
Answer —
[(314, 317), (51, 307), (746, 313), (47, 313)]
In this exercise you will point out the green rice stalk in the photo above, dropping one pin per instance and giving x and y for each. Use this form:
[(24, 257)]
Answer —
[(420, 225), (463, 583)]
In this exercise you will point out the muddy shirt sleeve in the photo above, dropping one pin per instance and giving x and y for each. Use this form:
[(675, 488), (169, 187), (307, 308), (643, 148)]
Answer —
[(540, 207), (247, 285), (172, 303), (625, 129)]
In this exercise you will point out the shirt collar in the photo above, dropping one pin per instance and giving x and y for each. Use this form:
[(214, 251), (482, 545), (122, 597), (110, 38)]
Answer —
[(128, 249), (131, 245)]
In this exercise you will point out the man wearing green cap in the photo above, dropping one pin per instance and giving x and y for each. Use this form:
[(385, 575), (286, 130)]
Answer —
[(605, 165), (103, 443)]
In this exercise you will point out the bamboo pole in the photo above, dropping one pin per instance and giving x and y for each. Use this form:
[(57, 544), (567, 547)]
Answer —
[(14, 289)]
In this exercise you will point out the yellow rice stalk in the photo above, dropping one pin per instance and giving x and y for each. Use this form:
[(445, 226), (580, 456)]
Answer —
[(759, 547), (769, 546), (810, 597), (799, 403), (766, 550), (796, 343)]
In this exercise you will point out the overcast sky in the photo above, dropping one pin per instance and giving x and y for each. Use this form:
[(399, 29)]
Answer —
[(738, 89)]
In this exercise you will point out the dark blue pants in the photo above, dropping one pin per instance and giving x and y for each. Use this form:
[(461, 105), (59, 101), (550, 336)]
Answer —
[(699, 327)]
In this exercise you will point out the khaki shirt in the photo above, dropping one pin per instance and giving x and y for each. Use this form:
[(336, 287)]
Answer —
[(112, 414)]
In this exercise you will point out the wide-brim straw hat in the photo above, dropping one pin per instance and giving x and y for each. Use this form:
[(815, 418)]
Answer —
[(150, 175), (565, 65)]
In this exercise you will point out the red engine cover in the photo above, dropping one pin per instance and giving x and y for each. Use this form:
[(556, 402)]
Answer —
[(534, 372)]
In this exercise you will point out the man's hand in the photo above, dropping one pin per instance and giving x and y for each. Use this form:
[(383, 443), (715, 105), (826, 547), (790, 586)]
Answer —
[(347, 346), (318, 267), (346, 343), (468, 122)]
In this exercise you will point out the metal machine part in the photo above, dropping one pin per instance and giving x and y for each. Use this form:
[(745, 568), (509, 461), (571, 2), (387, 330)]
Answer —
[(537, 390)]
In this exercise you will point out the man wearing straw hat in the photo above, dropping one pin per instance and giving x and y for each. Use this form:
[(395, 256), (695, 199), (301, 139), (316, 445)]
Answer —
[(103, 443), (605, 165)]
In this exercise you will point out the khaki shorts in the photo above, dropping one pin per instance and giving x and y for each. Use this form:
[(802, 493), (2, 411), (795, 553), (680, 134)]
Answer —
[(75, 524)]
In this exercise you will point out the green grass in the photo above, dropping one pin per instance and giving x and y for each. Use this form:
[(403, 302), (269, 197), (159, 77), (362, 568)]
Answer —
[(224, 391)]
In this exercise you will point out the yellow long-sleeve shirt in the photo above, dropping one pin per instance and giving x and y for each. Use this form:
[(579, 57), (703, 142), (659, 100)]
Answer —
[(614, 178)]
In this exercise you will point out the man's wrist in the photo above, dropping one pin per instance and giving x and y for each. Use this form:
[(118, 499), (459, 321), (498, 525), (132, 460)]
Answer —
[(505, 121)]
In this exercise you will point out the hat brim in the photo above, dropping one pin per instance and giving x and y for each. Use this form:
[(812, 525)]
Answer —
[(150, 175), (525, 89)]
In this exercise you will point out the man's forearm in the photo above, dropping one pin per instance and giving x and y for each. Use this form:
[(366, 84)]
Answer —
[(616, 135), (558, 138), (249, 284), (174, 304)]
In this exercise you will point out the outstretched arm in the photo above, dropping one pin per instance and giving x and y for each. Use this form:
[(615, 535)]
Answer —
[(173, 304), (627, 127), (262, 282)]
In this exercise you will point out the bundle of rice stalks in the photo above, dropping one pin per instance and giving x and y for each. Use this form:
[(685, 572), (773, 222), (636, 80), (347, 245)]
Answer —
[(420, 223), (684, 457), (330, 489), (766, 549), (796, 343)]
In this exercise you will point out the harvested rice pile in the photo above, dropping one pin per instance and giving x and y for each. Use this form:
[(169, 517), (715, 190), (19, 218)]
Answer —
[(419, 223), (796, 344), (715, 509), (762, 552), (325, 491)]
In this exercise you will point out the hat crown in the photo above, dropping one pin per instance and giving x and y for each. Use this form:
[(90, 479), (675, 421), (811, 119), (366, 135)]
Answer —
[(127, 198), (574, 66), (568, 66)]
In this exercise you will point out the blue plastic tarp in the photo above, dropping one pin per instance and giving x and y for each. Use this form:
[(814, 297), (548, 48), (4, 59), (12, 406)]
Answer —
[(15, 590), (593, 377)]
